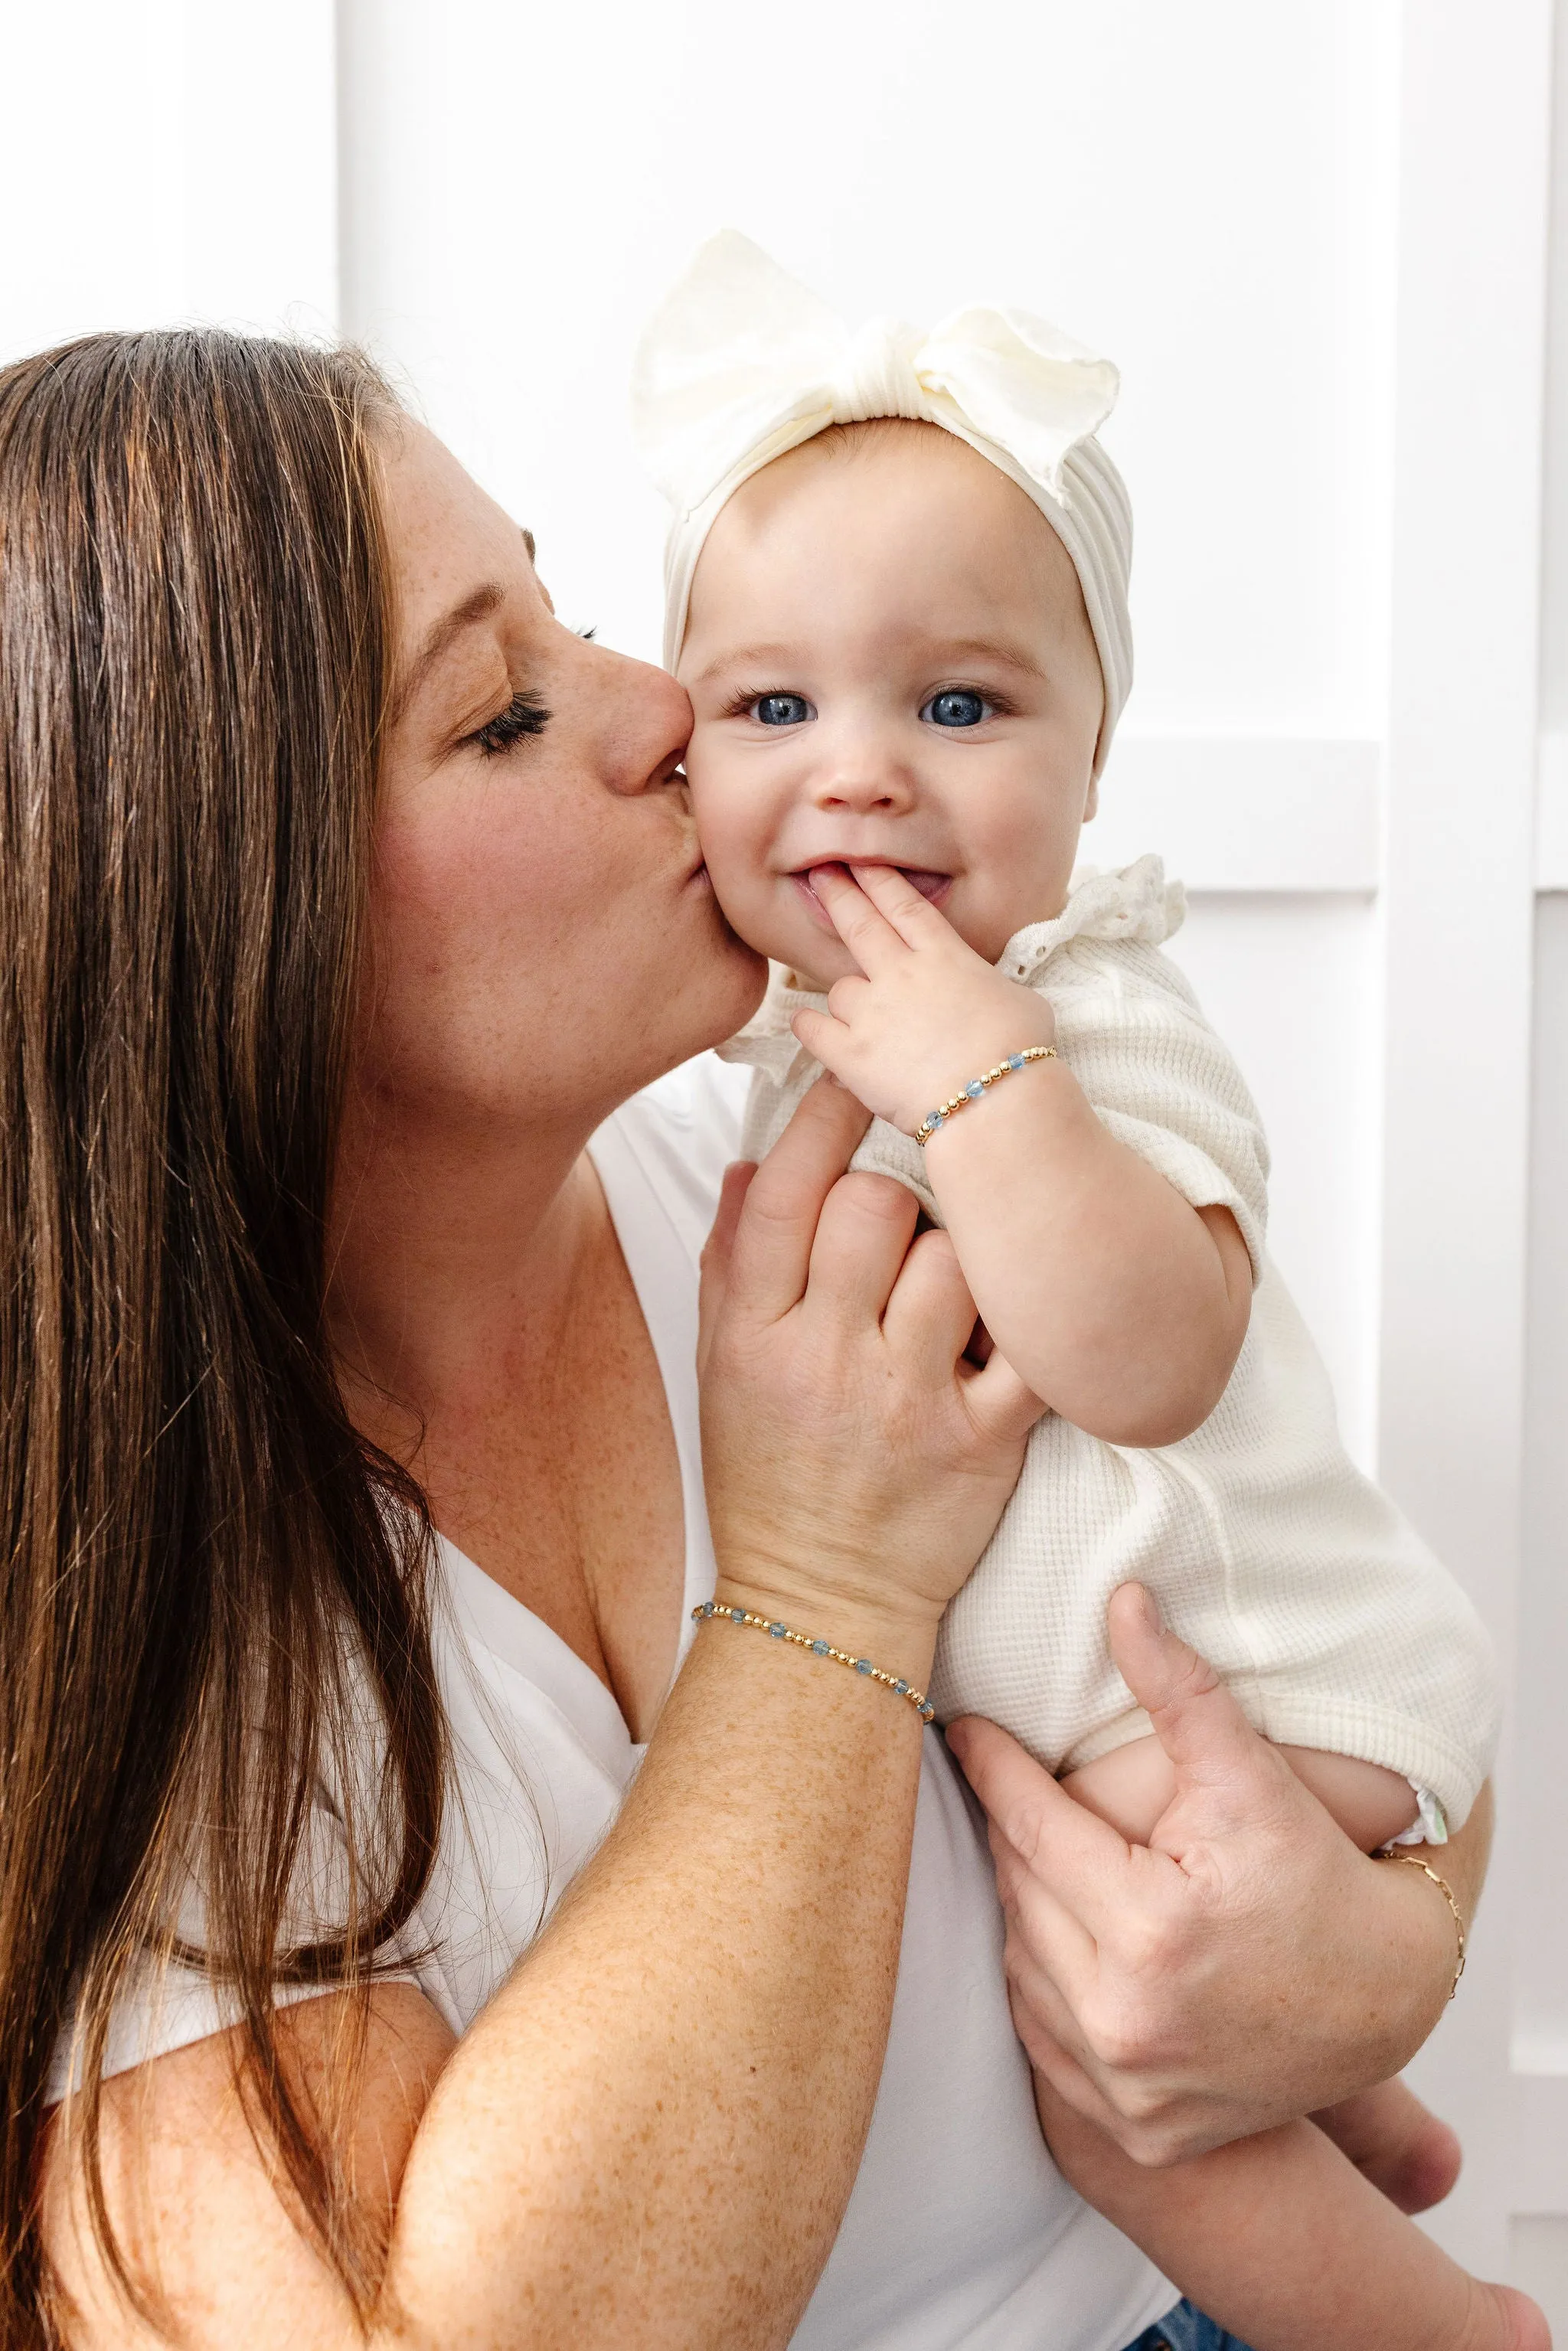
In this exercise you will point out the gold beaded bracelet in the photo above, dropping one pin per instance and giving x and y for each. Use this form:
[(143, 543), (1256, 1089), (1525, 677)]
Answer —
[(977, 1086), (1414, 1860), (917, 1699)]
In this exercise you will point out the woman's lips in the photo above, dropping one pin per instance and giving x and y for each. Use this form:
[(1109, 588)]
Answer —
[(932, 886)]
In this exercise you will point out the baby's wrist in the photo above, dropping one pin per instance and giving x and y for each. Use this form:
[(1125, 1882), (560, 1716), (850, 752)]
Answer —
[(984, 1059), (1028, 1097)]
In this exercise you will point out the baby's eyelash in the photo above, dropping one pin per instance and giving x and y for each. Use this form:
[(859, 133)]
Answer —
[(524, 715), (744, 698)]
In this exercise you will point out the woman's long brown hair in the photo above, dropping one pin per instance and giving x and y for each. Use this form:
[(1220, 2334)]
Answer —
[(207, 1574)]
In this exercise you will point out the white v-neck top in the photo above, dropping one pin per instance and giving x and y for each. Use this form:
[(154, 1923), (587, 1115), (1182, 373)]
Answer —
[(960, 2234)]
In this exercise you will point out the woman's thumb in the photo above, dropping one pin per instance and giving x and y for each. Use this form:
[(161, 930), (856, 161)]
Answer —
[(1195, 1718), (717, 1250)]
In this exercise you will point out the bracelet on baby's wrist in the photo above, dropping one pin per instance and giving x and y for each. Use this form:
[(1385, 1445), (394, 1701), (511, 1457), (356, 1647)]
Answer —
[(707, 1609), (978, 1086)]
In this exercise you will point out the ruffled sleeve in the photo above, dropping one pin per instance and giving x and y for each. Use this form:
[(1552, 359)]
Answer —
[(1132, 1031)]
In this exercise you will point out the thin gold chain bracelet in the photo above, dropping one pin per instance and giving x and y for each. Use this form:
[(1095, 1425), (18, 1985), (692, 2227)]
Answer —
[(819, 1648), (1414, 1860), (977, 1086)]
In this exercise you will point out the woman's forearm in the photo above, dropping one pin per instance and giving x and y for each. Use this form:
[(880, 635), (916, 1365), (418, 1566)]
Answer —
[(649, 2138)]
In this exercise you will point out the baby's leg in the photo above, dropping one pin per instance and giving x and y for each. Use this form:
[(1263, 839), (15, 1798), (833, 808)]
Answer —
[(1396, 2143), (1244, 2231), (1132, 1786), (1387, 2133), (1281, 2241)]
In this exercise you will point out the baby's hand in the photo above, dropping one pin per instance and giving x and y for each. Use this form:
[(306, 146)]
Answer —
[(929, 1015)]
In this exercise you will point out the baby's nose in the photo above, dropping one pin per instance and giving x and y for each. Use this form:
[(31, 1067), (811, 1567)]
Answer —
[(864, 784)]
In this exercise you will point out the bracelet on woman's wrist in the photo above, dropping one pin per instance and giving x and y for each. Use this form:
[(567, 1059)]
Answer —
[(819, 1648), (1414, 1860)]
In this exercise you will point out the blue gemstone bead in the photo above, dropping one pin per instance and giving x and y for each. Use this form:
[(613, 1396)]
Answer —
[(739, 1615), (1015, 1060), (902, 1688), (707, 1607), (777, 1631), (937, 1118), (819, 1648), (974, 1089), (863, 1665)]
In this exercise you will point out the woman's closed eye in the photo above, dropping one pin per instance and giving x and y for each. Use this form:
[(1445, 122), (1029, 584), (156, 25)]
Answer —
[(958, 705), (524, 715)]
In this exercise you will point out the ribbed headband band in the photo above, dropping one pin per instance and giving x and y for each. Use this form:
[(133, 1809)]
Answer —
[(741, 362)]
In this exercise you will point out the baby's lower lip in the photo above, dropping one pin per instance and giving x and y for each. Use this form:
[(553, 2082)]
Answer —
[(933, 887)]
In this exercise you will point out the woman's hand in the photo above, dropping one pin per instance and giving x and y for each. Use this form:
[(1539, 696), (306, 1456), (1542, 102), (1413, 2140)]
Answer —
[(928, 1014), (1250, 1966), (856, 1464)]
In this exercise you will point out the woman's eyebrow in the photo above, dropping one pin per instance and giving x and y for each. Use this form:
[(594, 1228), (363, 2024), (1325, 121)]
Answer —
[(475, 607)]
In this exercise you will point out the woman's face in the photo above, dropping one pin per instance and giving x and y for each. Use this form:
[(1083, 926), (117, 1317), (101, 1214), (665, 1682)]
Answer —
[(544, 939)]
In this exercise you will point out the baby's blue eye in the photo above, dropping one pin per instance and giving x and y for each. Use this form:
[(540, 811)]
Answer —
[(958, 707), (781, 709)]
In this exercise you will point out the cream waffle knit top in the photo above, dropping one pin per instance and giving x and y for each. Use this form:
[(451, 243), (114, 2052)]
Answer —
[(1330, 1619)]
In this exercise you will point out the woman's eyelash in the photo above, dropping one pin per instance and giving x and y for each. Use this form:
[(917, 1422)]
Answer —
[(524, 715)]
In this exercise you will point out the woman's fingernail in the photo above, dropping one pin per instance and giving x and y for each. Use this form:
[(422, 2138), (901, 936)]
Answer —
[(1149, 1609)]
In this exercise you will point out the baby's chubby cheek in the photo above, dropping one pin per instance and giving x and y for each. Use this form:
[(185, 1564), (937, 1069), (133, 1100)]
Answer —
[(736, 838)]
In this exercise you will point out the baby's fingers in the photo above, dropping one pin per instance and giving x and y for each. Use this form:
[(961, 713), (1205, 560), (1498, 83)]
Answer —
[(870, 937), (917, 922), (826, 1039)]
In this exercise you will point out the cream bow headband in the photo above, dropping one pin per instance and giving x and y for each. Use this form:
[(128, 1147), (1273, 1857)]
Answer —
[(741, 362)]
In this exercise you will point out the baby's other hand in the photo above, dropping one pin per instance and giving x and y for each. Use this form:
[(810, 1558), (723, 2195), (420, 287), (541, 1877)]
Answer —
[(929, 1013)]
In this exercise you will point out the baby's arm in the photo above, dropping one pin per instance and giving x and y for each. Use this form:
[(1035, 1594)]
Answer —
[(1123, 1307)]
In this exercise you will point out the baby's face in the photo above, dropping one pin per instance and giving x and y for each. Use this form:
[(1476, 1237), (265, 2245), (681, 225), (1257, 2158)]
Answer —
[(890, 664)]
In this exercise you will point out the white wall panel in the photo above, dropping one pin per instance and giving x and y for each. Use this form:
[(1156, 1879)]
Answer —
[(1205, 192), (91, 169), (1541, 1999), (1292, 984), (166, 160)]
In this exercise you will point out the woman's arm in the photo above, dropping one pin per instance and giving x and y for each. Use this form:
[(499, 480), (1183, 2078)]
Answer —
[(649, 2136), (1250, 1966)]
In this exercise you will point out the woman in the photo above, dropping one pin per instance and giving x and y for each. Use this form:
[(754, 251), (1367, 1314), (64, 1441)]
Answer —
[(347, 898)]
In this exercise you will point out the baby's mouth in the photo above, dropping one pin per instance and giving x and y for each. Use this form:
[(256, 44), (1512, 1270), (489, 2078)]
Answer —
[(932, 886)]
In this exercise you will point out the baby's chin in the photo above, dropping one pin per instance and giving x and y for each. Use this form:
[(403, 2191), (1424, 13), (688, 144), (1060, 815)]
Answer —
[(803, 973), (787, 937)]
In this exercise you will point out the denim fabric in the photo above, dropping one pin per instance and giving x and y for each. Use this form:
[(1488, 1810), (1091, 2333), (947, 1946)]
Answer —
[(1185, 2329)]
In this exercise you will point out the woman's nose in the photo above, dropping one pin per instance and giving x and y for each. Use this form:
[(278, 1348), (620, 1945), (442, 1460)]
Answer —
[(644, 719)]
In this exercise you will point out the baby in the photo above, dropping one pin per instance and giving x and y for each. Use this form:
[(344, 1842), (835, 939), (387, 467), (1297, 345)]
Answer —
[(897, 583)]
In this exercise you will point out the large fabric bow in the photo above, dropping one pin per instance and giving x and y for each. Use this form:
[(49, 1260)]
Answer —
[(741, 362)]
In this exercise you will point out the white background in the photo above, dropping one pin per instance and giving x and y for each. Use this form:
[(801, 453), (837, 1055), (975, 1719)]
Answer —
[(1328, 247)]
